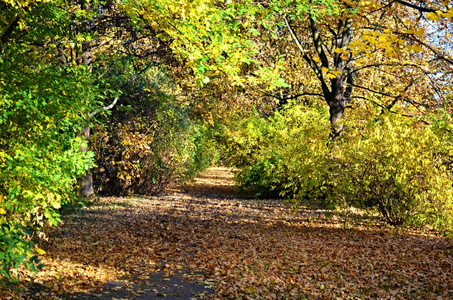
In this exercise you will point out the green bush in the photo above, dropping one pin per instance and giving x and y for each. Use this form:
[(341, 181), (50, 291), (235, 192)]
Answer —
[(284, 154), (149, 142), (40, 157), (398, 165), (43, 107)]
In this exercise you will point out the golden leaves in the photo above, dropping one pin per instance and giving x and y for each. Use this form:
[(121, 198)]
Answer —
[(439, 14), (433, 16), (420, 32), (242, 248), (332, 74)]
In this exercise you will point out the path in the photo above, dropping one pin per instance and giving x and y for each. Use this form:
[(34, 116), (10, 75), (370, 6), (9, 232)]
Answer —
[(202, 239), (137, 280), (213, 183)]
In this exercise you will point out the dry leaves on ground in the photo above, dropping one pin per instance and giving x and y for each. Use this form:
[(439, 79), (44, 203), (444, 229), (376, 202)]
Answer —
[(247, 249)]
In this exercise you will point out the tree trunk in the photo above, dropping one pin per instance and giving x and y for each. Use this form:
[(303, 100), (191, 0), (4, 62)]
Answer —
[(335, 96), (86, 183), (336, 101)]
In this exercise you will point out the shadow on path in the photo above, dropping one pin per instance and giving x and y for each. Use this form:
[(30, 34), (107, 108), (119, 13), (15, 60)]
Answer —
[(197, 242)]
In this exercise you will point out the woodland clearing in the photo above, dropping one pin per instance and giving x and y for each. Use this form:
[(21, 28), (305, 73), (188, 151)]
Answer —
[(205, 240)]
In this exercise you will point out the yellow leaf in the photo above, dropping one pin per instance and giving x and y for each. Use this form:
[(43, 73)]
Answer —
[(40, 251), (417, 48), (420, 32), (338, 50), (448, 14), (433, 16), (2, 211), (331, 76)]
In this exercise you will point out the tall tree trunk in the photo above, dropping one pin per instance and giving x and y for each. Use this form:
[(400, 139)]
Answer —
[(86, 183), (335, 94)]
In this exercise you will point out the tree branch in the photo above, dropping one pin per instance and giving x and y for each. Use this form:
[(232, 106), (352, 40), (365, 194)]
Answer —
[(373, 91), (441, 57), (111, 105), (294, 97), (318, 43), (310, 61), (93, 113), (7, 34), (413, 6)]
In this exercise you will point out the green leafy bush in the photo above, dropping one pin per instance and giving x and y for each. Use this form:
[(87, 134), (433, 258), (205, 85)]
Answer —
[(398, 165), (40, 158), (149, 141), (284, 155)]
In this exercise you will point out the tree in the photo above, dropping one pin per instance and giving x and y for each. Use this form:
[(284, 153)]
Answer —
[(366, 61), (382, 54), (43, 106)]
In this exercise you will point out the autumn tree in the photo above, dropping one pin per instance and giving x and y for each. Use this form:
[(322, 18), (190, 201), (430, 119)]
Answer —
[(385, 54), (381, 69), (43, 107)]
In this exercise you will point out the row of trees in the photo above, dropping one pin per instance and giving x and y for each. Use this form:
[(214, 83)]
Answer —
[(147, 82)]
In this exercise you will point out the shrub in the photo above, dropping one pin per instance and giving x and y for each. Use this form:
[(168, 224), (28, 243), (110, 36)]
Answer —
[(396, 164), (149, 142), (284, 154), (40, 155)]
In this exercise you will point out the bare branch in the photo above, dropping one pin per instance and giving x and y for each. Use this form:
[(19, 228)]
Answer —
[(373, 91), (294, 96), (108, 107), (111, 105), (307, 58), (419, 8)]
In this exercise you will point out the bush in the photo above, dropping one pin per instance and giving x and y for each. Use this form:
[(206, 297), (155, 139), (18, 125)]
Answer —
[(149, 142), (398, 165), (40, 157), (283, 155)]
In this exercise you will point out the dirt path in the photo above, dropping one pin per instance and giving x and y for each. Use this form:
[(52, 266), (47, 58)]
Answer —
[(118, 249), (202, 240), (182, 283)]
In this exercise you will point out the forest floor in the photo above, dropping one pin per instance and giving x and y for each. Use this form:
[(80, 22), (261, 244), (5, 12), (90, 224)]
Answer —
[(205, 240)]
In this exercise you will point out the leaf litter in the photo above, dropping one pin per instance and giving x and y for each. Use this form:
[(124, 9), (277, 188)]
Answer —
[(208, 235)]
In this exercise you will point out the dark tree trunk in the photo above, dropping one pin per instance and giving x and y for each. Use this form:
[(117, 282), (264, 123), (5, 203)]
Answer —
[(334, 93), (86, 183), (336, 101)]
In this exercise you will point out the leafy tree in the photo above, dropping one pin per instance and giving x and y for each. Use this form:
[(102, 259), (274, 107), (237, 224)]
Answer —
[(43, 108), (362, 54), (373, 59)]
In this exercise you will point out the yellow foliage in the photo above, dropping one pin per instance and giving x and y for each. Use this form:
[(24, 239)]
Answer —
[(420, 32), (432, 16), (392, 163), (398, 166)]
